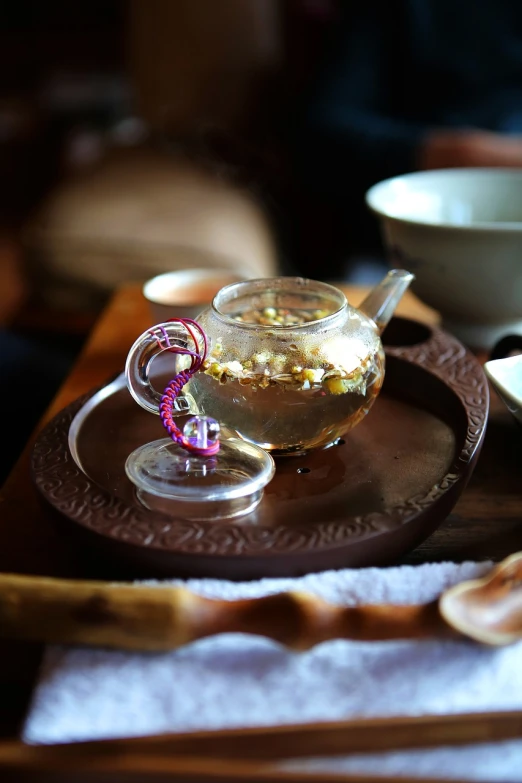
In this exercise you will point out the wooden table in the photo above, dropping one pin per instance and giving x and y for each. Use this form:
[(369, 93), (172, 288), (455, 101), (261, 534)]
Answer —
[(486, 522)]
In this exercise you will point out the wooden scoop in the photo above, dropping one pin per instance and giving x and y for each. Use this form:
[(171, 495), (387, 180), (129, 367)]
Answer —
[(141, 617)]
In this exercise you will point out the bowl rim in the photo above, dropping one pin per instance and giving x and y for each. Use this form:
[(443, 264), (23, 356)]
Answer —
[(498, 380), (186, 275), (514, 227)]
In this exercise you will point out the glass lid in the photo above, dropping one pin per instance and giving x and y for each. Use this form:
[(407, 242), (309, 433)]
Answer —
[(225, 484)]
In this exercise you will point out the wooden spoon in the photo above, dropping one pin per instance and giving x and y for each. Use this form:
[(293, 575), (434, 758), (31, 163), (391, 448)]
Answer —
[(488, 610), (142, 617)]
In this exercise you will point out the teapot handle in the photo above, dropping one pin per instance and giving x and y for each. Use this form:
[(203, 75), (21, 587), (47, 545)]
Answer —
[(168, 336)]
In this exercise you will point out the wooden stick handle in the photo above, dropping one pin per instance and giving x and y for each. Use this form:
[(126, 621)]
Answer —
[(133, 767), (228, 751), (142, 617)]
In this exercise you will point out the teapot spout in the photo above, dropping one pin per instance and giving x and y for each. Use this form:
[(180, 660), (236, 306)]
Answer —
[(381, 302)]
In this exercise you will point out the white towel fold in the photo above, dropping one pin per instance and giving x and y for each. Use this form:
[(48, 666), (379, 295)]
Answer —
[(235, 680)]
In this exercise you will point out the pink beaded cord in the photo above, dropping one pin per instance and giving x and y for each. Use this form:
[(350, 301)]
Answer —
[(175, 386)]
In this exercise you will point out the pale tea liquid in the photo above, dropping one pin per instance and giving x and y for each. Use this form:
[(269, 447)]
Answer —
[(286, 420)]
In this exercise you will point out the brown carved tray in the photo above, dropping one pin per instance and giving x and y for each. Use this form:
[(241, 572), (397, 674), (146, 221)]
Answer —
[(366, 501)]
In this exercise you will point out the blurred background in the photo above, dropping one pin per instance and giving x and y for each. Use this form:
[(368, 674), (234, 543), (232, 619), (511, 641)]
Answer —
[(111, 110)]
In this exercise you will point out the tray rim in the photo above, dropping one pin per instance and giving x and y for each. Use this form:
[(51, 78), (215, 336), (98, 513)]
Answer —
[(60, 479)]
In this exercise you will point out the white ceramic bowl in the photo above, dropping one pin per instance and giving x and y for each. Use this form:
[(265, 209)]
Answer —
[(506, 377), (184, 293), (460, 232)]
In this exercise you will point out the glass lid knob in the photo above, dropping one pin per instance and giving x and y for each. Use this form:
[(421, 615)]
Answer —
[(202, 432)]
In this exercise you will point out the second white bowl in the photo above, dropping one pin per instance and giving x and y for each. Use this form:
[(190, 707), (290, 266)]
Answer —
[(460, 232)]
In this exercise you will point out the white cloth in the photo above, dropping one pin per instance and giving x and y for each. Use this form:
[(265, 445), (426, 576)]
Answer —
[(235, 680)]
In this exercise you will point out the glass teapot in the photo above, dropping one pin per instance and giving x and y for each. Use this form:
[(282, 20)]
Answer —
[(290, 365)]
